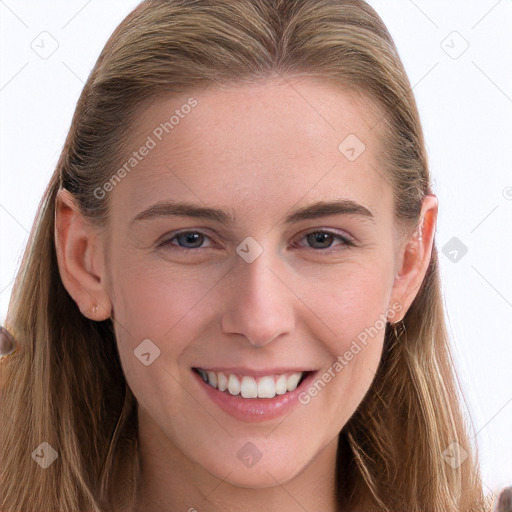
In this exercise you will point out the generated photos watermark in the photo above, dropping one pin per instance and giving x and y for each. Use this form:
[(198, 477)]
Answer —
[(343, 361), (152, 140)]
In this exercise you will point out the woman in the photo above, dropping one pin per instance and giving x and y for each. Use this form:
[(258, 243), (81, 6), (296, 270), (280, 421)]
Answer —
[(296, 357)]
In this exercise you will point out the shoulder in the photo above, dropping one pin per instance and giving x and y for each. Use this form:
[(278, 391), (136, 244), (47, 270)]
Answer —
[(503, 502)]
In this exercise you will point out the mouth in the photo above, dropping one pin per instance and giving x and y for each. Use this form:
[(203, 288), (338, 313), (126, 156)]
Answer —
[(251, 386)]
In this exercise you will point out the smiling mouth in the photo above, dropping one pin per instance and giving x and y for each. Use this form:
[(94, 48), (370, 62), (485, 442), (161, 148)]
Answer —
[(246, 386)]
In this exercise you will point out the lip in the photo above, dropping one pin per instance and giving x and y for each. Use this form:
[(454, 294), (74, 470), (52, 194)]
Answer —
[(253, 410)]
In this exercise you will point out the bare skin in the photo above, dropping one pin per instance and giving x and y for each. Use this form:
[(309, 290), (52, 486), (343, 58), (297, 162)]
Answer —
[(258, 151)]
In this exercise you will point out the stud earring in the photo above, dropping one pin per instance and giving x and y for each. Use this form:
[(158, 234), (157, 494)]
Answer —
[(7, 344), (94, 310), (89, 311), (395, 325)]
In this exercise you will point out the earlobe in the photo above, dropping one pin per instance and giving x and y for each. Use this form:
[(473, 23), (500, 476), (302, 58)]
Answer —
[(80, 258), (415, 256)]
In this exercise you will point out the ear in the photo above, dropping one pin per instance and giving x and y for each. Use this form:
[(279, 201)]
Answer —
[(80, 255), (414, 256)]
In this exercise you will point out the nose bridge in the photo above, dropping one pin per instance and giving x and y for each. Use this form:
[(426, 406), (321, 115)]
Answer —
[(260, 305)]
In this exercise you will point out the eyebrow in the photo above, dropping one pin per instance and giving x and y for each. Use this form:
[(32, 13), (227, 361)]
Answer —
[(313, 211)]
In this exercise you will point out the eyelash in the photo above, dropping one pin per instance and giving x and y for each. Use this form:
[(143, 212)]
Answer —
[(347, 242)]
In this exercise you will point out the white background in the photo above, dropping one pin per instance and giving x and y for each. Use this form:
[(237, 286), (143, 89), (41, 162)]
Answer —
[(465, 102)]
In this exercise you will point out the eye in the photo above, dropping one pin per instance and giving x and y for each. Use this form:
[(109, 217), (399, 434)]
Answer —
[(195, 238), (324, 239), (320, 239)]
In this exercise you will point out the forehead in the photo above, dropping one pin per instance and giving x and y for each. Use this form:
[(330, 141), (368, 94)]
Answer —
[(276, 142)]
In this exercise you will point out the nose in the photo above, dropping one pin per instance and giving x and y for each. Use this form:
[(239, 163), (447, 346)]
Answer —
[(259, 304)]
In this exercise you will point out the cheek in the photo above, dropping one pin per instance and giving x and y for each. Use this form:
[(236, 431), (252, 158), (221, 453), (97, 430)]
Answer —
[(158, 311), (355, 311), (351, 300), (361, 324), (156, 300)]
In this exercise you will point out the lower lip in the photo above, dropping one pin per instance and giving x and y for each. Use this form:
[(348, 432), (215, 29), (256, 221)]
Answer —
[(255, 409)]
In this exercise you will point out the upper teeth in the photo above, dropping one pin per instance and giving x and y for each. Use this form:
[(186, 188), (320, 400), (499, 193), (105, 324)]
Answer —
[(267, 386)]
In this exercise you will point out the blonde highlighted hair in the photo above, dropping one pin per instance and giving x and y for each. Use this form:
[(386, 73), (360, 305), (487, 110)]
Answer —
[(65, 385)]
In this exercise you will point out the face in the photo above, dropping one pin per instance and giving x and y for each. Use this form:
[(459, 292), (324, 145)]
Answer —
[(280, 294)]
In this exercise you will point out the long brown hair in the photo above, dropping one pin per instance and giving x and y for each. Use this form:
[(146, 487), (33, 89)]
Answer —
[(65, 385)]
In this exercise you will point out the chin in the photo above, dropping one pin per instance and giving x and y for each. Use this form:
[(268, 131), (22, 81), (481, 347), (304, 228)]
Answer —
[(260, 476)]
